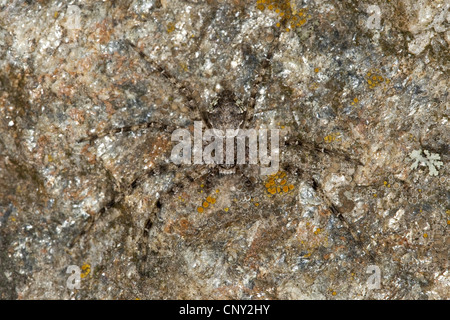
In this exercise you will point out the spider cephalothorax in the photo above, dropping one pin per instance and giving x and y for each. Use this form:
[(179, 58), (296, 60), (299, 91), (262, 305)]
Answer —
[(226, 115), (226, 112)]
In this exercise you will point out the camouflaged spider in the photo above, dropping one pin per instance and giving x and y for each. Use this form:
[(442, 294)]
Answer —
[(226, 111)]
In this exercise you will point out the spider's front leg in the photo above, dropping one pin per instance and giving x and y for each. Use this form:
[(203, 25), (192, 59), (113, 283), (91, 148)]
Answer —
[(190, 96), (183, 87), (261, 78)]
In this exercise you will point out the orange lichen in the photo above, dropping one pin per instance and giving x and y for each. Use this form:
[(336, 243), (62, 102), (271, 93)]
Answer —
[(206, 203), (170, 27), (86, 270), (278, 183), (289, 17), (332, 137), (375, 79)]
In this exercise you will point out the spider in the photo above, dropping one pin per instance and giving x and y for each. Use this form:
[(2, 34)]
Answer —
[(226, 111), (200, 189)]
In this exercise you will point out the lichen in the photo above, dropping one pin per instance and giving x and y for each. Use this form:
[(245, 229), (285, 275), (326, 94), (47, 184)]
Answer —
[(277, 183), (289, 17), (375, 79), (431, 161)]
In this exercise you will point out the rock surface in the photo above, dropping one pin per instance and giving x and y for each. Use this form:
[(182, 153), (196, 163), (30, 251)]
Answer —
[(359, 94)]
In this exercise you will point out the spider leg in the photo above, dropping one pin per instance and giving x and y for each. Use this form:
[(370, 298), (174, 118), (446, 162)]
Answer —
[(335, 211), (130, 128), (298, 146), (261, 79), (110, 204), (190, 95), (310, 146), (117, 200), (143, 241), (181, 86), (180, 183)]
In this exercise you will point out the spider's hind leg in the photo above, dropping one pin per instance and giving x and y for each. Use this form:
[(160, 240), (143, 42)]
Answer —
[(154, 219), (118, 201), (336, 212), (311, 147), (328, 187)]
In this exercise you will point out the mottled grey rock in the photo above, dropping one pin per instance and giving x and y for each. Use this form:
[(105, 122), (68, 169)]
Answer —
[(90, 93)]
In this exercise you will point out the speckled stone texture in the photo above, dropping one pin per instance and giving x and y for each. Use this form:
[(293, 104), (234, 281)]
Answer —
[(358, 90)]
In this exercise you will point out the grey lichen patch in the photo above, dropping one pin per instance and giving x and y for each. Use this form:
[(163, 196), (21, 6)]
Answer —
[(431, 160)]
